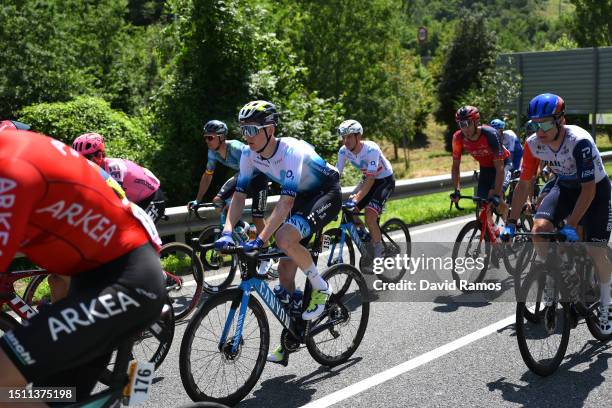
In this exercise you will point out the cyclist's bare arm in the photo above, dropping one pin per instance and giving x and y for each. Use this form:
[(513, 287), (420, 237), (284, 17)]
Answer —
[(587, 193), (365, 188), (278, 216), (519, 198), (499, 176), (234, 212), (204, 184)]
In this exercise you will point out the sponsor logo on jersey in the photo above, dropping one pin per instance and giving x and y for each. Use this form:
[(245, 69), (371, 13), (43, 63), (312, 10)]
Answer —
[(95, 226), (7, 200), (85, 314), (15, 345)]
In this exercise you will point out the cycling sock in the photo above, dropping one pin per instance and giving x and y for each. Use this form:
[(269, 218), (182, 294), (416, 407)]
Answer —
[(315, 279), (604, 293)]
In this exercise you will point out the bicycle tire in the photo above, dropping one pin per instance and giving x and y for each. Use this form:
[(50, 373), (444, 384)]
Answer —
[(526, 328), (162, 330), (210, 258), (392, 247), (338, 307), (184, 277), (591, 316), (209, 316), (29, 294), (521, 249), (335, 235), (472, 230)]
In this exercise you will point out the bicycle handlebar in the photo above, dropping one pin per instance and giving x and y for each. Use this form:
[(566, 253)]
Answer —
[(195, 208)]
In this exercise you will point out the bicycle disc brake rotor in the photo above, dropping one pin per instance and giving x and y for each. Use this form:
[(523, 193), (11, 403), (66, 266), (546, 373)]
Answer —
[(230, 356)]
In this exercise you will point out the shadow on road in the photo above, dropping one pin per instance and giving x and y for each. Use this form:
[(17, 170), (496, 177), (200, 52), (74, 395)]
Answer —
[(290, 390), (566, 387)]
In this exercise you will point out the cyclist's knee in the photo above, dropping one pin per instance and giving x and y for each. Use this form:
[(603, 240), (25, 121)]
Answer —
[(371, 215), (58, 285), (287, 236)]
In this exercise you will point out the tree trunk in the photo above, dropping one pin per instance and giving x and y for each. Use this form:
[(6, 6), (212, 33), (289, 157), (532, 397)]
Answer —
[(405, 145)]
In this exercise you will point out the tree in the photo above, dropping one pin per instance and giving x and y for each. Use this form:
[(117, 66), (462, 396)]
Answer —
[(471, 53), (592, 24)]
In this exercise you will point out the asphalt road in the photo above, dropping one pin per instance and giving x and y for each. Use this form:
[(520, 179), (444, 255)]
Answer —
[(436, 353)]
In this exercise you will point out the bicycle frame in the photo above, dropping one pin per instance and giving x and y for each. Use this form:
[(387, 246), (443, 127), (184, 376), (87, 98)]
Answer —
[(12, 299), (347, 226)]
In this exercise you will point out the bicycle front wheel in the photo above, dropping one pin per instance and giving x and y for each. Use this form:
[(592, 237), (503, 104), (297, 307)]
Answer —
[(396, 241), (220, 268), (184, 281), (334, 337), (543, 341), (469, 245), (210, 370)]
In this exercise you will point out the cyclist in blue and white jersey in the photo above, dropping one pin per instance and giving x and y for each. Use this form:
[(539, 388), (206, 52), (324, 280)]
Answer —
[(228, 153), (581, 194), (310, 199), (377, 183), (511, 142)]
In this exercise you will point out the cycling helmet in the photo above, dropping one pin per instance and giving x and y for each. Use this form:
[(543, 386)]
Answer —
[(498, 124), (88, 143), (350, 126), (467, 112), (262, 112), (13, 125), (545, 105), (216, 126)]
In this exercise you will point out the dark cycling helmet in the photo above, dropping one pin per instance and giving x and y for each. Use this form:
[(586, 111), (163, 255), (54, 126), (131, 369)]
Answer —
[(467, 112), (215, 126), (262, 112), (498, 124), (13, 125), (545, 105)]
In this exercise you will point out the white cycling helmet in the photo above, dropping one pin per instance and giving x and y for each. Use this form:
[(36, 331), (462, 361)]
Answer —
[(349, 126)]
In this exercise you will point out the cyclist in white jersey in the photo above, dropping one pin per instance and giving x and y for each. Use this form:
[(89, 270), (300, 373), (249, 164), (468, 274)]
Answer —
[(310, 198), (511, 142), (581, 194), (377, 183)]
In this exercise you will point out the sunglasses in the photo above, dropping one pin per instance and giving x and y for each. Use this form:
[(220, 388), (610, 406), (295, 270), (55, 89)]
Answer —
[(92, 155), (209, 138), (464, 123), (251, 130), (545, 126)]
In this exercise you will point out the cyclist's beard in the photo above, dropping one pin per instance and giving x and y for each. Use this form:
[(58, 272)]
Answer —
[(218, 144)]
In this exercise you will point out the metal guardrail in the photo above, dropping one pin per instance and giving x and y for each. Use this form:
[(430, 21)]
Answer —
[(178, 223)]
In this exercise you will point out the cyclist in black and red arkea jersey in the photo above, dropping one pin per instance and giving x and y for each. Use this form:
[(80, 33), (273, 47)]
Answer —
[(59, 211)]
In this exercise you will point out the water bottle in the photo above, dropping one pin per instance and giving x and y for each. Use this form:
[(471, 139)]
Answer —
[(363, 234), (252, 232), (241, 231)]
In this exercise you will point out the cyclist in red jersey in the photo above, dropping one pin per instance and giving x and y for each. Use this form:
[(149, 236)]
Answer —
[(483, 143), (58, 210)]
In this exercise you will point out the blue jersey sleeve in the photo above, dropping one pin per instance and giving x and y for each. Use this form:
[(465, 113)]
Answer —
[(212, 163), (517, 154), (585, 164), (246, 171)]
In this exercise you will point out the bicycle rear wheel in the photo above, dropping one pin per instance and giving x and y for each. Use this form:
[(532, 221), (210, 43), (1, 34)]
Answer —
[(469, 245), (223, 265), (335, 336), (542, 342), (37, 291), (396, 241), (184, 282), (211, 371), (152, 344)]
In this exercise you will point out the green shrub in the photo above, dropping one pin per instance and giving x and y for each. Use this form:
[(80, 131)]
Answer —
[(125, 137)]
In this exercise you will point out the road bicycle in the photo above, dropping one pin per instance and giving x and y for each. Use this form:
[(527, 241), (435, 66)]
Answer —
[(224, 264), (224, 348), (558, 292), (395, 239), (151, 344)]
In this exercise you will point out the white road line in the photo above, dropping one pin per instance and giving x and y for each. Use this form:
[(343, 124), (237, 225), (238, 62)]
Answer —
[(400, 369)]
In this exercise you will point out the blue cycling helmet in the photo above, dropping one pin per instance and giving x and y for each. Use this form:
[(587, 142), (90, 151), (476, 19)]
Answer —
[(216, 127), (546, 105), (498, 124)]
